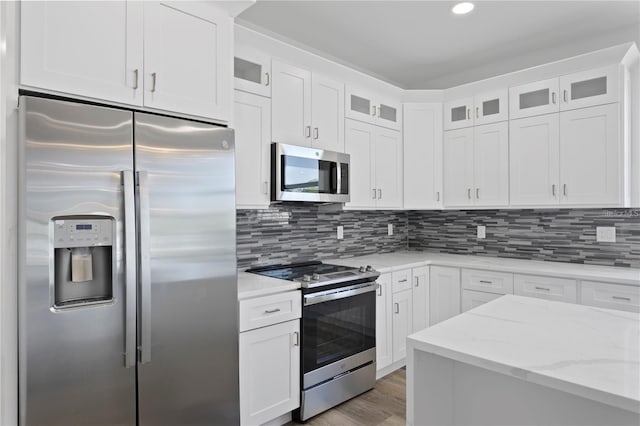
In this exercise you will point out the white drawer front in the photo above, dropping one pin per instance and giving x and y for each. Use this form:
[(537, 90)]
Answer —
[(472, 299), (612, 296), (272, 309), (487, 281), (549, 288), (401, 280)]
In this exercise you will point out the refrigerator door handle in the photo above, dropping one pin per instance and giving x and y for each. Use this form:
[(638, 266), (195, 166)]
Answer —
[(130, 268), (145, 268)]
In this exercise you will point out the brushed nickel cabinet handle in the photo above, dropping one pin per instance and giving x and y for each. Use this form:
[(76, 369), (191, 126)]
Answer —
[(397, 308), (271, 311), (438, 196), (486, 282), (553, 189), (469, 193), (315, 133), (478, 193), (154, 78), (543, 288), (417, 282), (374, 110), (307, 131), (296, 336), (403, 280), (564, 189), (553, 97), (379, 193), (374, 193), (468, 114), (135, 84), (477, 112), (267, 79), (566, 99), (626, 299)]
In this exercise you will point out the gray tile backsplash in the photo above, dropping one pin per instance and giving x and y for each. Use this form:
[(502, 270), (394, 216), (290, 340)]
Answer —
[(299, 231)]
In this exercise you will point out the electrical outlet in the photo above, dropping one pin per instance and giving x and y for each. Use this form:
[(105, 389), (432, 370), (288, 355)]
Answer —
[(390, 229), (340, 232), (606, 234), (482, 231)]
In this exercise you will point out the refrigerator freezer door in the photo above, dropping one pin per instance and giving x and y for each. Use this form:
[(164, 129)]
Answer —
[(188, 320), (72, 360)]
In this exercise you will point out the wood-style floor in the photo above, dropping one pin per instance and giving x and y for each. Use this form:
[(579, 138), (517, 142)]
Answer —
[(383, 405)]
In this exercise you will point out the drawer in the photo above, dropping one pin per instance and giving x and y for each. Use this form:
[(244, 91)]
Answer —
[(472, 299), (612, 296), (549, 288), (272, 309), (487, 281), (400, 280)]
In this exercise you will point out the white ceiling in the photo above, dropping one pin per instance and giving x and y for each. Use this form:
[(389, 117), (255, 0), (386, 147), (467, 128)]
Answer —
[(422, 45)]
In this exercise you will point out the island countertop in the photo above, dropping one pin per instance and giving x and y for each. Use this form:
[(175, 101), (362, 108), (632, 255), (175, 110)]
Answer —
[(585, 351)]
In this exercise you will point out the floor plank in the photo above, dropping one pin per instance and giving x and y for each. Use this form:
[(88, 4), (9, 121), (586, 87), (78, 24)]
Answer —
[(385, 405)]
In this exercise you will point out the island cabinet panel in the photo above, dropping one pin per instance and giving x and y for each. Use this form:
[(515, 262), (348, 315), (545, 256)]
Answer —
[(611, 296), (444, 293), (384, 342), (550, 288)]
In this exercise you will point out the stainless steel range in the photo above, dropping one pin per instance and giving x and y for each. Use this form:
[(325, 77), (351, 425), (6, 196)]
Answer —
[(338, 331)]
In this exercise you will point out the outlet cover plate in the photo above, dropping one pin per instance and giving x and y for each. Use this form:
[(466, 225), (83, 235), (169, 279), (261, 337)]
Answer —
[(606, 234), (390, 229), (482, 231), (340, 232)]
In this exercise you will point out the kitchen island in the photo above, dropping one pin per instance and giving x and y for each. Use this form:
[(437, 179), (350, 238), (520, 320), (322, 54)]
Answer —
[(524, 361)]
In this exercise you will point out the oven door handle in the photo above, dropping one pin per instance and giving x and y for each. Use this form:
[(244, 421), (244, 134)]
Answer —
[(312, 300)]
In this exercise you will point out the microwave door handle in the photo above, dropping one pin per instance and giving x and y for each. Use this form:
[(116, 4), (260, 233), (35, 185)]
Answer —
[(338, 178)]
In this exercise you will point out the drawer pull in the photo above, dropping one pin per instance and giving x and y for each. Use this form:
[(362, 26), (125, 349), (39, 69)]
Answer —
[(486, 282), (417, 282), (397, 308), (403, 280), (272, 311), (626, 299), (543, 288), (297, 338)]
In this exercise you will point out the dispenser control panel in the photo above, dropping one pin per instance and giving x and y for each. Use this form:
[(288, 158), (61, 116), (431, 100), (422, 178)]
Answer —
[(83, 232)]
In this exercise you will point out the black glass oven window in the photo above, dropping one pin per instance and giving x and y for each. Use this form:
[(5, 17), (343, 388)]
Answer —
[(308, 175), (337, 329)]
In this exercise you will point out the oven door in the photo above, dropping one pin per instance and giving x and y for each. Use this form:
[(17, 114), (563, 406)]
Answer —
[(338, 324)]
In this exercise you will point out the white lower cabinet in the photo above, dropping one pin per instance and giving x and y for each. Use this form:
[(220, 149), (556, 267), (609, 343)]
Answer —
[(550, 288), (384, 342), (402, 322), (444, 293), (472, 299), (420, 298), (611, 296)]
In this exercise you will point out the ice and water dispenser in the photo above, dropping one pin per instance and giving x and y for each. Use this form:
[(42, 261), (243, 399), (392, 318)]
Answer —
[(84, 259)]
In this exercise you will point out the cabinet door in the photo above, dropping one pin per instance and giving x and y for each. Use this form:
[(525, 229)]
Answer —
[(327, 113), (472, 299), (532, 99), (359, 140), (444, 293), (420, 298), (458, 168), (534, 161), (491, 107), (457, 114), (91, 49), (422, 148), (590, 156), (402, 323), (252, 124), (491, 164), (388, 168), (384, 330), (187, 54), (269, 372), (388, 115), (290, 104), (589, 88), (252, 70), (359, 105)]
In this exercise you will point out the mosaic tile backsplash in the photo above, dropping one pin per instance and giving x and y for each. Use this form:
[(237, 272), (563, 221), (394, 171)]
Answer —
[(298, 231)]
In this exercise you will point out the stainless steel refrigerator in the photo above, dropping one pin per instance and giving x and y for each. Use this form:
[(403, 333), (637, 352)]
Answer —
[(127, 268)]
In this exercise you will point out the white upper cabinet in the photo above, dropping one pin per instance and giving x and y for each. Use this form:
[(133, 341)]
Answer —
[(422, 147), (458, 114), (291, 104), (458, 168), (590, 156), (252, 125), (375, 166), (589, 88), (491, 107), (194, 80), (534, 161), (327, 112), (532, 99), (91, 49), (491, 164), (364, 106), (132, 53), (252, 70)]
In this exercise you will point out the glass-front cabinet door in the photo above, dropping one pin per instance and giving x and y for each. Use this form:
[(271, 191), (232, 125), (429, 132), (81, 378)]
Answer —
[(590, 88), (532, 99), (457, 114), (491, 107), (359, 105), (252, 71), (388, 115)]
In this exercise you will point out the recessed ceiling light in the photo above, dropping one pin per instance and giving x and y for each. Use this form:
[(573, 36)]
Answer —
[(462, 8)]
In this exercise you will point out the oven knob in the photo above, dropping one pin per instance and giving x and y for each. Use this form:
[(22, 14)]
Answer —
[(362, 269), (306, 278), (369, 268), (315, 277)]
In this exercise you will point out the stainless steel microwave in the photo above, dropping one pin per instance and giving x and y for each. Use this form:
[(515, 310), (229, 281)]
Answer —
[(300, 173)]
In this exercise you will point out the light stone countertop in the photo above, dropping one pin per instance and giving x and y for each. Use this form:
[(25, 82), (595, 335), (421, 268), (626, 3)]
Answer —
[(585, 351), (254, 285)]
